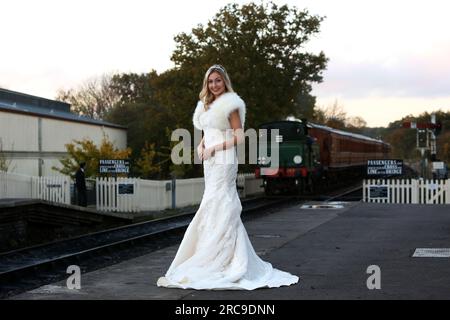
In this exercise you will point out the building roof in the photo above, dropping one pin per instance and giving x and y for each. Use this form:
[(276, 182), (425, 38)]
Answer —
[(17, 102), (345, 133)]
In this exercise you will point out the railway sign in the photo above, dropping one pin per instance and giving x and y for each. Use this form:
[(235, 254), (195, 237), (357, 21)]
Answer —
[(384, 167), (126, 188), (378, 192), (114, 166), (53, 185)]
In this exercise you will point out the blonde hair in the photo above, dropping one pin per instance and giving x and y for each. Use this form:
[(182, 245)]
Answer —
[(206, 95)]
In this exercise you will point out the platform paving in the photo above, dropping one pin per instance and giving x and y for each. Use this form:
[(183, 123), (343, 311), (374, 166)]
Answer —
[(330, 249)]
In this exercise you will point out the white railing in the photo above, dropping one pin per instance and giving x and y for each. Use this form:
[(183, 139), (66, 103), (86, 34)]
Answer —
[(53, 189), (120, 194), (188, 191), (14, 185), (415, 191), (153, 195)]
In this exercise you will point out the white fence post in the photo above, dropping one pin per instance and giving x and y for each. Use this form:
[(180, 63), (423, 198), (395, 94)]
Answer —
[(364, 191), (137, 196), (97, 193), (447, 193), (416, 191)]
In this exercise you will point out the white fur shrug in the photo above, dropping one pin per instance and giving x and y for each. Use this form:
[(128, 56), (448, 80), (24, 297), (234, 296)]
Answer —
[(221, 109)]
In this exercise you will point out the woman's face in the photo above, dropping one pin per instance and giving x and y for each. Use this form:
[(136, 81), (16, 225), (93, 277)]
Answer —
[(216, 84)]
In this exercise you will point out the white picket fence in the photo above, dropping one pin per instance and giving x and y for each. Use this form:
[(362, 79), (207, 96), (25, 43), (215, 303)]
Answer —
[(415, 191), (119, 194), (53, 189), (154, 195)]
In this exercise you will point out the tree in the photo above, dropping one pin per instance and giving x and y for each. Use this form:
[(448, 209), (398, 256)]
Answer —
[(332, 116), (177, 90), (444, 150), (319, 116), (356, 122), (403, 141), (86, 151), (146, 167), (261, 48), (133, 87), (94, 98)]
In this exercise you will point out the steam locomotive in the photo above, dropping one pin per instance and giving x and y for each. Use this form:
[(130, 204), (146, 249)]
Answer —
[(312, 156)]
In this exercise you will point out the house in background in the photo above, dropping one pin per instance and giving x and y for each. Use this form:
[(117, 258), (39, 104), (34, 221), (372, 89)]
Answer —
[(34, 131)]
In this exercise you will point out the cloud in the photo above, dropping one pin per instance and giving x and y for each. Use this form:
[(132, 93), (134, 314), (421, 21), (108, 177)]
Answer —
[(380, 111), (426, 76)]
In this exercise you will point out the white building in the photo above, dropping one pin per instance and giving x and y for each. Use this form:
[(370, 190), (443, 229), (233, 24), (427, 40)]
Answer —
[(34, 131)]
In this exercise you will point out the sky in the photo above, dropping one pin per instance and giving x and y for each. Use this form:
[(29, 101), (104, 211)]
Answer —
[(387, 58)]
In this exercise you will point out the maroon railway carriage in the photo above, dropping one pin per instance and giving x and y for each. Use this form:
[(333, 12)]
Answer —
[(345, 153)]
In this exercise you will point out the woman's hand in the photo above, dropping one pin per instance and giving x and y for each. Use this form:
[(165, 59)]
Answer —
[(209, 152), (200, 150)]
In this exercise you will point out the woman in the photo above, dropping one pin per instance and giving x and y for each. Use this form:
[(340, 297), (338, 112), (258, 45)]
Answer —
[(216, 252)]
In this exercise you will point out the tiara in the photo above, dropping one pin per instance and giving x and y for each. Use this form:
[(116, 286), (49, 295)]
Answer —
[(217, 66)]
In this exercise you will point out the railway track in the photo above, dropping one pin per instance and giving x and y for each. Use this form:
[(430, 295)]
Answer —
[(28, 268)]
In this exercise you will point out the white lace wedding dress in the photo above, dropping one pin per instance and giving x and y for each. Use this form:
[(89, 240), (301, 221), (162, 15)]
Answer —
[(216, 252)]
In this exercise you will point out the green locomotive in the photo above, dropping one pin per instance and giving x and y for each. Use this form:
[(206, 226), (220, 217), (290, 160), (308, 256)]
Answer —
[(311, 156)]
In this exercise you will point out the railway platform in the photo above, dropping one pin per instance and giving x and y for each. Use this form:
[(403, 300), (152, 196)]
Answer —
[(359, 251), (23, 204)]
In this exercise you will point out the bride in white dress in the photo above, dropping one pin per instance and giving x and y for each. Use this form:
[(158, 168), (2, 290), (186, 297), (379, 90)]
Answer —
[(215, 252)]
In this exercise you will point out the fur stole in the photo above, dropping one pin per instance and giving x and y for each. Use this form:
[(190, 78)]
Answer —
[(221, 109)]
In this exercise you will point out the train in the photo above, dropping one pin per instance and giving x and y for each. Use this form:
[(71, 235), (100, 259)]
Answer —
[(312, 156)]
